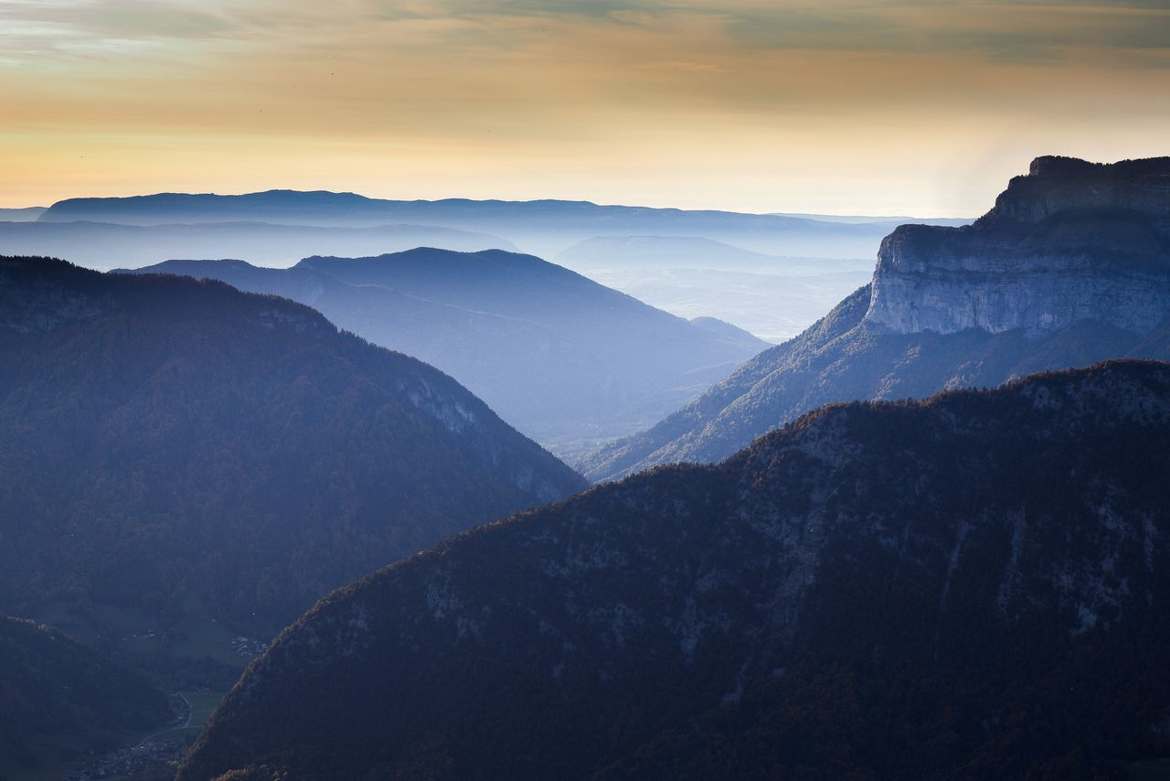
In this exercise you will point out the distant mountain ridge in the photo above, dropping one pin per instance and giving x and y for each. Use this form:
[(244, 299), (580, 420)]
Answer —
[(302, 205), (177, 451), (105, 245), (971, 587), (25, 214), (773, 296), (1071, 267), (688, 252), (896, 219), (564, 359), (544, 227)]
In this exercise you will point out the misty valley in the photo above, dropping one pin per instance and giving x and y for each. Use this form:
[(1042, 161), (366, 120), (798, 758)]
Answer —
[(444, 508)]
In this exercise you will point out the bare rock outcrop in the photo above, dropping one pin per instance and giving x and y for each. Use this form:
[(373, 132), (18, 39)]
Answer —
[(1070, 241)]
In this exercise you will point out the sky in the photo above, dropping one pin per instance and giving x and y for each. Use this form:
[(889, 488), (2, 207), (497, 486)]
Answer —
[(838, 106)]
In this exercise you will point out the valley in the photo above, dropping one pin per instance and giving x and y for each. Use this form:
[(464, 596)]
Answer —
[(459, 511), (608, 363), (757, 616), (433, 391), (1073, 281)]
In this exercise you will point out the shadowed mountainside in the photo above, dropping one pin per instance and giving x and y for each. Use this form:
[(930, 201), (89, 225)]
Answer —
[(565, 360), (176, 450), (59, 698), (975, 586)]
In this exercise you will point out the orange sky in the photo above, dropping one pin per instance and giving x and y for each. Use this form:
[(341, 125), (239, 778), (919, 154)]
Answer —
[(920, 107)]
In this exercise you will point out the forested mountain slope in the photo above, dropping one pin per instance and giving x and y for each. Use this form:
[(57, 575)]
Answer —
[(176, 449), (975, 586), (60, 698), (566, 360)]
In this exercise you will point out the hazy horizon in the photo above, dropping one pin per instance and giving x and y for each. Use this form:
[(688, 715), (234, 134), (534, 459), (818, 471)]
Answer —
[(455, 197), (845, 107)]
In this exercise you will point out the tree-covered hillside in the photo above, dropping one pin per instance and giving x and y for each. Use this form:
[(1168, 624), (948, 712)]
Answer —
[(61, 699), (567, 361), (971, 587), (176, 450)]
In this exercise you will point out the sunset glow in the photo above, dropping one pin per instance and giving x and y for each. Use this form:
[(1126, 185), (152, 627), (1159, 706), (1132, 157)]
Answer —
[(871, 107)]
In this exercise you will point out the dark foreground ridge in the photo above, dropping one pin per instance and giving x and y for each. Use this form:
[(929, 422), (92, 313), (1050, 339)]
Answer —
[(973, 586), (58, 698)]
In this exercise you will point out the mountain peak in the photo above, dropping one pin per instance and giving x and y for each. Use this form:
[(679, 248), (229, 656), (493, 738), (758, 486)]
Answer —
[(428, 254), (609, 364), (1062, 166), (1059, 185)]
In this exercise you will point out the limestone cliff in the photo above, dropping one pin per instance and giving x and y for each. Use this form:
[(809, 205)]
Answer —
[(1071, 266), (1070, 241)]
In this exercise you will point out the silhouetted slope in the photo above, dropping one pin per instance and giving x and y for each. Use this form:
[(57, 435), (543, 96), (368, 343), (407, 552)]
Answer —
[(725, 330), (1071, 267), (58, 697), (975, 586), (174, 448), (563, 359)]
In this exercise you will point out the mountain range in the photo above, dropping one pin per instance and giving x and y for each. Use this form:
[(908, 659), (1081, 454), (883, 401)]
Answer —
[(773, 297), (1072, 266), (542, 227), (103, 245), (638, 250), (974, 586), (567, 361), (184, 461), (843, 582)]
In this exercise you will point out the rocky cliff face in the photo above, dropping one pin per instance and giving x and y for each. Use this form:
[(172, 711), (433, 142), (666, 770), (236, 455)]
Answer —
[(1056, 185), (1071, 266), (1070, 241), (970, 587)]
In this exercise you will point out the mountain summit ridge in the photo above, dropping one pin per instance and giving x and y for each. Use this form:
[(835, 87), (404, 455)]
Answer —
[(565, 359), (1069, 241), (544, 226)]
